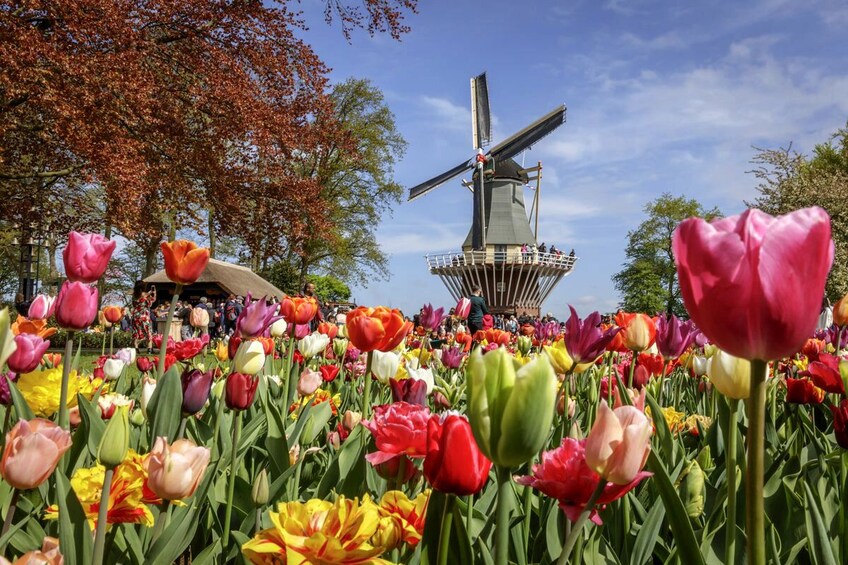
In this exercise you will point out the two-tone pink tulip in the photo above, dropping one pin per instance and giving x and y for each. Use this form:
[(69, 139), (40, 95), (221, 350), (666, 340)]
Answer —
[(86, 256), (76, 306), (618, 445), (28, 353)]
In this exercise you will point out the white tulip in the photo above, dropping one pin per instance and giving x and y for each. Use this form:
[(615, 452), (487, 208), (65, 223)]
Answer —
[(425, 375), (313, 344), (250, 358), (384, 365), (113, 368), (278, 328)]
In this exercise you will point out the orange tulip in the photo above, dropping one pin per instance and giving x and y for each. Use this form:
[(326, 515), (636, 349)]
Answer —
[(184, 260), (23, 325), (113, 314), (376, 328), (298, 309), (33, 449), (49, 555), (840, 312), (174, 471), (330, 330), (639, 330), (494, 336), (463, 339)]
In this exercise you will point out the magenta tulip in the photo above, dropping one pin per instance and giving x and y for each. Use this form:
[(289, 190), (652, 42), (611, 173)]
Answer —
[(28, 354), (256, 317), (76, 306), (753, 283), (431, 319), (674, 337), (86, 256), (463, 308), (42, 307)]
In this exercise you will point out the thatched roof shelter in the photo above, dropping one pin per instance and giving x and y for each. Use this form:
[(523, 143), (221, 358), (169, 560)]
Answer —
[(218, 280)]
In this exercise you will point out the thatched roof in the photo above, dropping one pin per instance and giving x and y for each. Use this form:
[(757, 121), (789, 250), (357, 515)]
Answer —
[(233, 279)]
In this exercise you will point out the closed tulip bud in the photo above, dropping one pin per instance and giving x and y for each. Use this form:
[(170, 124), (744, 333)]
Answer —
[(463, 308), (240, 391), (840, 312), (699, 365), (309, 382), (113, 314), (126, 354), (250, 358), (116, 439), (339, 348), (86, 256), (618, 443), (523, 402), (33, 449), (692, 489), (312, 345), (384, 366), (222, 352), (184, 260), (41, 308), (113, 368), (454, 464), (137, 417), (278, 328), (350, 420), (7, 339), (29, 349), (524, 343), (730, 375), (196, 386), (639, 330), (260, 494), (174, 471), (298, 310), (76, 306)]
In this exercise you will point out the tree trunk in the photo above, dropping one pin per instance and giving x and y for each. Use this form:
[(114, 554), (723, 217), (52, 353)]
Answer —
[(212, 240), (150, 251)]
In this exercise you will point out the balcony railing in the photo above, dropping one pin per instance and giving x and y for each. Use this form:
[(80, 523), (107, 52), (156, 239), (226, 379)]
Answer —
[(563, 261)]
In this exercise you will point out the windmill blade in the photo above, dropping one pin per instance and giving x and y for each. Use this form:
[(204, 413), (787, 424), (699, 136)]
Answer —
[(436, 181), (520, 141), (481, 119)]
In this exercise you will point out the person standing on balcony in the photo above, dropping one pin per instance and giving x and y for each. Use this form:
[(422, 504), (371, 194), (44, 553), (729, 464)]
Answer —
[(478, 309)]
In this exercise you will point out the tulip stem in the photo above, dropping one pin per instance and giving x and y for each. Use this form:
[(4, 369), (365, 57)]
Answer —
[(755, 512), (444, 534), (231, 487), (730, 471), (366, 395), (287, 368), (218, 415), (13, 506), (632, 370), (66, 375), (102, 516), (843, 508), (163, 348), (577, 528), (111, 339), (502, 525), (183, 423)]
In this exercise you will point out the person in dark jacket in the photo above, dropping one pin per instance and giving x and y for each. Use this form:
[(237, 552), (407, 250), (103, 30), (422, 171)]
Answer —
[(478, 309)]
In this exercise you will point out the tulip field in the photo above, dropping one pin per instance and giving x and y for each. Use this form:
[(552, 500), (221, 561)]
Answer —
[(716, 439)]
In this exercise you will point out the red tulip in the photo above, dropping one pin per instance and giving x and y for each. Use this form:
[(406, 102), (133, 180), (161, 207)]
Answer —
[(188, 349), (564, 475), (144, 364), (329, 372), (184, 260), (86, 256), (454, 464), (27, 355), (76, 306), (638, 330), (240, 391), (398, 428), (825, 374), (840, 423), (413, 391), (376, 328), (803, 391), (753, 283)]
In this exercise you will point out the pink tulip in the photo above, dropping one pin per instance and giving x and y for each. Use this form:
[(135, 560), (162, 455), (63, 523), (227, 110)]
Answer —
[(619, 443), (33, 449), (753, 283), (86, 256), (463, 308), (76, 306), (174, 471), (42, 307), (27, 356), (309, 382), (301, 331)]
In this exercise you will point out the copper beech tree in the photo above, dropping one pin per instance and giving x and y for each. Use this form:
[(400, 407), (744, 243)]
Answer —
[(158, 112)]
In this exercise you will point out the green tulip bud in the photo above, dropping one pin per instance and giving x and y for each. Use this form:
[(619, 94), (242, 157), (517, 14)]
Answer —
[(510, 412), (116, 439), (137, 417), (260, 493), (339, 348), (692, 490), (524, 344), (705, 458)]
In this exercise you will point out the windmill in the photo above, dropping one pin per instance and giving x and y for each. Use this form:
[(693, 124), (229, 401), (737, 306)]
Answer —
[(492, 258)]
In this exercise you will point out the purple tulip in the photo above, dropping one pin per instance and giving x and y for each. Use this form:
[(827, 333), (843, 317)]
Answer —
[(76, 306), (5, 393), (829, 336), (546, 331), (431, 319), (86, 256), (196, 387), (256, 317), (27, 356), (674, 337), (42, 307), (584, 339), (452, 357), (412, 391)]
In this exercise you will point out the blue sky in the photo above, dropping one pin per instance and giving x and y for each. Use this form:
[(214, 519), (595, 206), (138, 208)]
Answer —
[(661, 97)]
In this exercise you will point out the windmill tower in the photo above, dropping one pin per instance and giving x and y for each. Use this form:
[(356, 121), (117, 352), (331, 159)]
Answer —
[(491, 257)]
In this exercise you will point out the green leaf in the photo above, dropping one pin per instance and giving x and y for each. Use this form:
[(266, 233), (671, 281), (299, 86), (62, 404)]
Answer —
[(276, 442), (92, 420), (553, 532), (165, 406), (681, 527), (663, 434), (21, 406), (318, 418), (74, 534), (646, 539), (208, 556), (819, 538)]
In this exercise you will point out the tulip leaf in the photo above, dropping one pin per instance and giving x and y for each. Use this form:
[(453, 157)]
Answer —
[(90, 417), (276, 442), (21, 406), (73, 524), (649, 531), (819, 538), (661, 426), (12, 531), (208, 556), (165, 406), (681, 527), (553, 532), (318, 418)]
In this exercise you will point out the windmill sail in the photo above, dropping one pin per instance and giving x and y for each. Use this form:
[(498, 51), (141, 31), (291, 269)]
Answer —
[(481, 119), (518, 142), (439, 180)]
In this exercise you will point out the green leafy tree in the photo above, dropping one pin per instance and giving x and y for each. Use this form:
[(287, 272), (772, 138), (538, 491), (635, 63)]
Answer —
[(789, 180), (648, 280)]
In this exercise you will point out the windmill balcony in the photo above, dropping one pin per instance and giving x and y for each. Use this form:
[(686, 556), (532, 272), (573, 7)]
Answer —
[(490, 257)]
